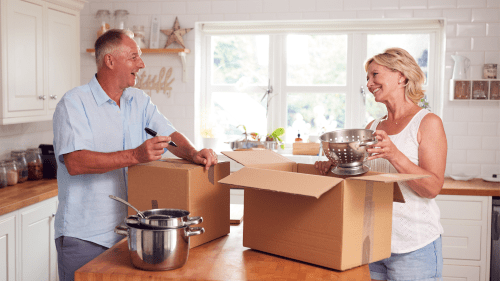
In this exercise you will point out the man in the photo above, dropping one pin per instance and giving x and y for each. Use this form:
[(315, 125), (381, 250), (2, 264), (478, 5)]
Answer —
[(98, 133)]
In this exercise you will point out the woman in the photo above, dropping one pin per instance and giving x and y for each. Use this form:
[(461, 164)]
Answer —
[(411, 140)]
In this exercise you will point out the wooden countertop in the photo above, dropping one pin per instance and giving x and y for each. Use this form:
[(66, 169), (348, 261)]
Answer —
[(21, 195), (477, 187), (222, 259)]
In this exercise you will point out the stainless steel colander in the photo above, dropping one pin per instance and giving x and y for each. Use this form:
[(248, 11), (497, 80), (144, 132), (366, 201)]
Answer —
[(346, 149)]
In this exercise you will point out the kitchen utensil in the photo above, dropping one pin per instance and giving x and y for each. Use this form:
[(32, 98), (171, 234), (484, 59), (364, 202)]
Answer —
[(128, 204), (346, 150), (153, 134), (462, 177), (164, 218), (462, 64), (158, 249)]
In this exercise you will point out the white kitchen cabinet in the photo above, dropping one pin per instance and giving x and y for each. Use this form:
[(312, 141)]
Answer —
[(27, 247), (40, 58), (8, 247), (466, 221)]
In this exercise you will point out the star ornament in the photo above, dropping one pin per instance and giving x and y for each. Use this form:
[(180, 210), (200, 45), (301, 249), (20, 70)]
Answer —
[(175, 34)]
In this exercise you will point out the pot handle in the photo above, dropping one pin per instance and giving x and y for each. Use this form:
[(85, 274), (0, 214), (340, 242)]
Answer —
[(368, 142), (192, 231), (193, 220), (132, 220), (122, 230)]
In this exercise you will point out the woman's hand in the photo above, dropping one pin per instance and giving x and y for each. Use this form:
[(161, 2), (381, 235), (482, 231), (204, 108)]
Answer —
[(323, 166), (385, 148)]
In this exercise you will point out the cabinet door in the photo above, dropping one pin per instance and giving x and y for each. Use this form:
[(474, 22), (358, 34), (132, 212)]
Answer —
[(62, 55), (462, 273), (25, 59), (8, 247), (38, 253)]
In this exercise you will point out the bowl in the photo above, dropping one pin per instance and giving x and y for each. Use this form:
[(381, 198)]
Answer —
[(462, 177)]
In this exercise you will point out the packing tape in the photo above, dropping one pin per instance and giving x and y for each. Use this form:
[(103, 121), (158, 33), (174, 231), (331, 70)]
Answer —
[(211, 174), (368, 225)]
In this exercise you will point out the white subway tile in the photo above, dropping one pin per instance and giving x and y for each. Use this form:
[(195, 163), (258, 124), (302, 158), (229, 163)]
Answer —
[(451, 29), (448, 114), (482, 129), (343, 15), (263, 16), (455, 128), (471, 29), (185, 21), (356, 5), (370, 14), (488, 170), (476, 58), (249, 7), (492, 143), (173, 8), (471, 4), (467, 169), (289, 16), (492, 3), (466, 114), (466, 142), (485, 15), (385, 5), (458, 44), (302, 6), (428, 14), (498, 162), (329, 5), (476, 72), (458, 15), (152, 8), (398, 14), (199, 7), (485, 43), (493, 29), (442, 4), (413, 4), (131, 7), (276, 6), (492, 57), (315, 15), (236, 17), (491, 115), (456, 156), (224, 7), (211, 17), (480, 156)]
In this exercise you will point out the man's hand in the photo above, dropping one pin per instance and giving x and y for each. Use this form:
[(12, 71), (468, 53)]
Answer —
[(151, 149), (205, 157)]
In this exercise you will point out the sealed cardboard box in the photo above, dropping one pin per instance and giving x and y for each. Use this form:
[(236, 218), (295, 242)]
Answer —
[(180, 184), (292, 211)]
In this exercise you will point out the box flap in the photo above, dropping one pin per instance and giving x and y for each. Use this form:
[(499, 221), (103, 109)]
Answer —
[(256, 157), (288, 182), (390, 177), (173, 163)]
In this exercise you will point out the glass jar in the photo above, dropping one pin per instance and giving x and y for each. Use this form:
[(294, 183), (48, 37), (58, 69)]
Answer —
[(35, 164), (103, 16), (11, 170), (121, 19), (22, 164), (3, 176)]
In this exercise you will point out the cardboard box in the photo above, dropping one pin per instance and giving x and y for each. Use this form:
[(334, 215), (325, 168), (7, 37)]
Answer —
[(180, 184), (292, 211)]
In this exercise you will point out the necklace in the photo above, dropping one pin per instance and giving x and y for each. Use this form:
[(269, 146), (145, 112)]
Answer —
[(395, 120)]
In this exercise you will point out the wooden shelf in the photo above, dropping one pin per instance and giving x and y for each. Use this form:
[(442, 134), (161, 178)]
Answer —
[(181, 52)]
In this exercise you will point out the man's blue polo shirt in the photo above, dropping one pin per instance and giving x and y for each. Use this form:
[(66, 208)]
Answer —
[(87, 119)]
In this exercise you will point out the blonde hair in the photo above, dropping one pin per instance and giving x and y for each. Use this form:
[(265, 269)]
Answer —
[(398, 59)]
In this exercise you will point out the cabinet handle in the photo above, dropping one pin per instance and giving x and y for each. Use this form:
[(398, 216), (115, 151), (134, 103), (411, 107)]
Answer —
[(53, 215), (54, 97), (41, 97)]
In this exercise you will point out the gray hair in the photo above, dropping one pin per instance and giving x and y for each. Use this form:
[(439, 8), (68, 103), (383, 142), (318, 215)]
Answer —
[(108, 43)]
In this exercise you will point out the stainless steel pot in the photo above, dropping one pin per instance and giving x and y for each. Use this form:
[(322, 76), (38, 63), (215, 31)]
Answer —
[(158, 249), (164, 218)]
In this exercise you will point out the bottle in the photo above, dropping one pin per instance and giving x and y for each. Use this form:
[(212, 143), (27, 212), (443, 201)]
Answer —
[(35, 164), (298, 139), (22, 164)]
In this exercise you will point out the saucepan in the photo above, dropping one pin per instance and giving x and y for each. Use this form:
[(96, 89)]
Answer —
[(158, 249), (164, 218)]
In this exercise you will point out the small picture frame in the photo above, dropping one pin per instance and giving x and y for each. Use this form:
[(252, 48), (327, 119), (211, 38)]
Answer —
[(154, 39)]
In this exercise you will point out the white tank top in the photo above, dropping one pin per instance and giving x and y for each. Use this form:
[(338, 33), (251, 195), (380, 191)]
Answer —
[(415, 223)]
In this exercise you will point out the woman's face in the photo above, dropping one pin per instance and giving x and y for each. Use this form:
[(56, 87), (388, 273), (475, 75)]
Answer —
[(384, 83)]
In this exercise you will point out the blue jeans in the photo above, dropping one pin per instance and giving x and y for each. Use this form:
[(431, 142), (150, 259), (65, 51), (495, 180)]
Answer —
[(424, 264)]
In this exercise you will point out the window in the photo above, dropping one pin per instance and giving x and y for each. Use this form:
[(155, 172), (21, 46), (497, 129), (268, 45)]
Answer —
[(305, 76)]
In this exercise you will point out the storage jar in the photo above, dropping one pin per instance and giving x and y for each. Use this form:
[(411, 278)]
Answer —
[(22, 164), (35, 164), (11, 170), (3, 176)]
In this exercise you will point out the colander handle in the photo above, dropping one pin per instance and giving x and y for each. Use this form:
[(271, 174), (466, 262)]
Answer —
[(368, 142)]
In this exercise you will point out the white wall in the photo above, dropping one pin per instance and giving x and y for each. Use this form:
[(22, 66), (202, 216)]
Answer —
[(473, 30)]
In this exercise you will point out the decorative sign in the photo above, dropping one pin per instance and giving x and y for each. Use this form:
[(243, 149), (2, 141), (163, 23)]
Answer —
[(153, 84)]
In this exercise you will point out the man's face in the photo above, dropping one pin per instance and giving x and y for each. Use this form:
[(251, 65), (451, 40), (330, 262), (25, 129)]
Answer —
[(128, 62)]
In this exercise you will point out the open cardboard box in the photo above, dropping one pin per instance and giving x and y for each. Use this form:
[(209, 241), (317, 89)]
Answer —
[(292, 211), (180, 184)]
